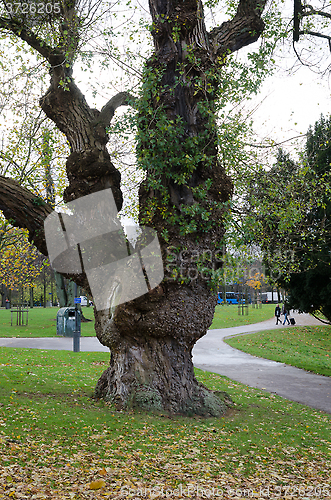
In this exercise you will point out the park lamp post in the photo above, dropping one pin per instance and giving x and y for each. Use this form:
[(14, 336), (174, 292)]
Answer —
[(76, 332)]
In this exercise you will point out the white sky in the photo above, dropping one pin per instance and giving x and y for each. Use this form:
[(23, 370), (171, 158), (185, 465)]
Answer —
[(289, 104)]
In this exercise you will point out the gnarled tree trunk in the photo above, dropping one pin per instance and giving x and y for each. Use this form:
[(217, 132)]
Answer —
[(151, 341), (183, 196)]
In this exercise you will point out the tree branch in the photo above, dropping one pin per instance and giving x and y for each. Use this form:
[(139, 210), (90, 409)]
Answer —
[(25, 210), (108, 110), (27, 36), (275, 144), (244, 29), (313, 11), (296, 20), (313, 33)]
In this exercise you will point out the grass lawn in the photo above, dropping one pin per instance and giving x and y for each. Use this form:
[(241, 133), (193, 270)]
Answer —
[(57, 443), (307, 347), (42, 321), (227, 315)]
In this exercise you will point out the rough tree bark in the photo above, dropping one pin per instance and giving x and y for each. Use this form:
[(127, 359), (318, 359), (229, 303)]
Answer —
[(24, 209), (151, 338)]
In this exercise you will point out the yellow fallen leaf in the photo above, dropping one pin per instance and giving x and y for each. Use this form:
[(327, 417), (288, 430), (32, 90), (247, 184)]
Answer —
[(96, 485), (102, 472)]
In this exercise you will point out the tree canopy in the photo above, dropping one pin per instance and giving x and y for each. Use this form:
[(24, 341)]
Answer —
[(309, 288), (289, 215), (20, 262)]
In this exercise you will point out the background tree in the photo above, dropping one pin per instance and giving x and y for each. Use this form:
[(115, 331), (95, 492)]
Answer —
[(8, 236), (20, 263), (310, 288), (289, 216), (184, 194)]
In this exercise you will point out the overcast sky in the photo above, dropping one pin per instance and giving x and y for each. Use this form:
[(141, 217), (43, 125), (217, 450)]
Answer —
[(291, 104)]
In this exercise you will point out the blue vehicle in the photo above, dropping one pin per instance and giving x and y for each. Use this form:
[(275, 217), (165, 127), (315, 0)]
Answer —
[(231, 298)]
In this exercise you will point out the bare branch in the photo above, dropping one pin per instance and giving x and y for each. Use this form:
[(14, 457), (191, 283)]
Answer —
[(313, 33), (10, 161), (312, 11), (275, 144), (108, 110), (298, 56)]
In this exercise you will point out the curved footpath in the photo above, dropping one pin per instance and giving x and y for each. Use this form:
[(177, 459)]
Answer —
[(212, 354)]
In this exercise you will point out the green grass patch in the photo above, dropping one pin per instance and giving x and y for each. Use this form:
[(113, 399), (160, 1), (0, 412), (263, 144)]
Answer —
[(41, 323), (306, 347), (227, 316), (55, 440)]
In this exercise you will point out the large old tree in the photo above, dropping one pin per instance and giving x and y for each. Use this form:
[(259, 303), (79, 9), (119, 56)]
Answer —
[(183, 196)]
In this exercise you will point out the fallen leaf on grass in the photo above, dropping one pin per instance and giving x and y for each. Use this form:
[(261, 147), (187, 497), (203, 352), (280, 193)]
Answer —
[(97, 436), (97, 484)]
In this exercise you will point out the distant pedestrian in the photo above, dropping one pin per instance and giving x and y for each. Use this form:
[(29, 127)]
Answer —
[(277, 314), (285, 311)]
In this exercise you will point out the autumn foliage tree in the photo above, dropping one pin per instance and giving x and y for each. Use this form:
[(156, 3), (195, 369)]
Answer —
[(184, 194), (20, 262)]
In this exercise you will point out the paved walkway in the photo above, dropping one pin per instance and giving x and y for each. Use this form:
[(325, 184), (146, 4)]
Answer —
[(87, 344), (212, 354)]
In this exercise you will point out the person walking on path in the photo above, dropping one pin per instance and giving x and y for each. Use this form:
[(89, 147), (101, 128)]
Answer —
[(277, 314), (285, 312)]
